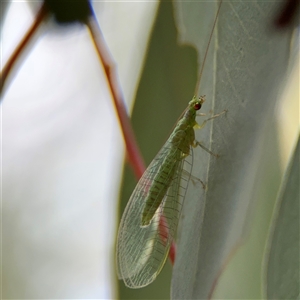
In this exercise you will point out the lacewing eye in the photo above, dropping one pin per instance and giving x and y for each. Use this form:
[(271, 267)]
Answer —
[(197, 106)]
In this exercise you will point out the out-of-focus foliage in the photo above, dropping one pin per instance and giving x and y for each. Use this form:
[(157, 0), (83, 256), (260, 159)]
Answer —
[(283, 262)]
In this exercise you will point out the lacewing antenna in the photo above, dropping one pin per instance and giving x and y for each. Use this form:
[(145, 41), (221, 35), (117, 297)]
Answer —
[(206, 51)]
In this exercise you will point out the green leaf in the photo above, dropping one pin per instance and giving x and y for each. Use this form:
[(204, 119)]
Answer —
[(282, 268), (244, 71)]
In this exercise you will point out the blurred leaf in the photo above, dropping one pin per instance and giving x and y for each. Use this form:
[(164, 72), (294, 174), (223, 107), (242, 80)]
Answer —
[(283, 255)]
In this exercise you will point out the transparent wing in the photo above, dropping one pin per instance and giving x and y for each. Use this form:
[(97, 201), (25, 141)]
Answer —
[(142, 251)]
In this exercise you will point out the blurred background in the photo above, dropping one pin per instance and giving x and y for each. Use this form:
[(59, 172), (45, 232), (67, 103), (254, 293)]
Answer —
[(63, 153)]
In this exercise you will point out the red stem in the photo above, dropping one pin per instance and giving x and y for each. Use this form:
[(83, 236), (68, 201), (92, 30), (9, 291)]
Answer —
[(22, 45), (133, 152), (164, 233)]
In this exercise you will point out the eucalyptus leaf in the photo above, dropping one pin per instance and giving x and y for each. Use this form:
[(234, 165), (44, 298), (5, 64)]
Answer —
[(244, 72), (282, 268)]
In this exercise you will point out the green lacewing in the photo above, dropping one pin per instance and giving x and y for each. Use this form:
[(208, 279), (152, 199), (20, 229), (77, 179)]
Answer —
[(150, 219)]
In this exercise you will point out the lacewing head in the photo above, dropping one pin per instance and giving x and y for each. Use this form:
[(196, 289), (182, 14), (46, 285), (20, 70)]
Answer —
[(196, 103)]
